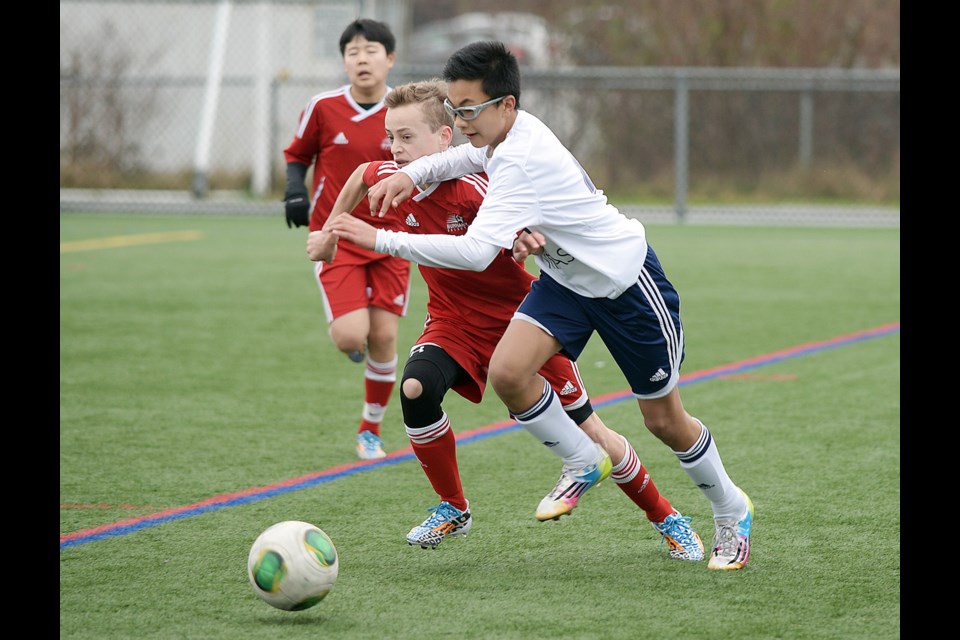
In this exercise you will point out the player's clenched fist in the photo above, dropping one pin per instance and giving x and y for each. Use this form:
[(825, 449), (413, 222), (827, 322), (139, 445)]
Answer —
[(321, 245), (528, 243)]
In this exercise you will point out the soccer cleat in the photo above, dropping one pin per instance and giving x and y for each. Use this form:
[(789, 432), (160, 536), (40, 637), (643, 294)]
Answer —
[(731, 545), (683, 541), (572, 484), (369, 446), (445, 520)]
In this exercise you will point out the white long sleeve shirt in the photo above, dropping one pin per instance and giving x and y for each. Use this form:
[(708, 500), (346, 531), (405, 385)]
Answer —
[(535, 183)]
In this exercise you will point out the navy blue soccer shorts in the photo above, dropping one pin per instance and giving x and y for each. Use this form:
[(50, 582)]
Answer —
[(641, 328)]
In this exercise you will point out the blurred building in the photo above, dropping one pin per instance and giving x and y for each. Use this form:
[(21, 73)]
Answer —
[(525, 34)]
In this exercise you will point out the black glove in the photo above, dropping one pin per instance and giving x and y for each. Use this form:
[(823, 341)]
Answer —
[(296, 200), (297, 207)]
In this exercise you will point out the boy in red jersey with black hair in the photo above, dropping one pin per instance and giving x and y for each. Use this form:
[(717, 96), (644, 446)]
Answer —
[(365, 294), (467, 313)]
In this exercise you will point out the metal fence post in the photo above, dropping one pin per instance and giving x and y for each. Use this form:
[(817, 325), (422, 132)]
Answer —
[(681, 145)]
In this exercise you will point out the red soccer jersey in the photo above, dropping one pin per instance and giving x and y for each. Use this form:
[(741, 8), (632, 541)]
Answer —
[(338, 134), (480, 299)]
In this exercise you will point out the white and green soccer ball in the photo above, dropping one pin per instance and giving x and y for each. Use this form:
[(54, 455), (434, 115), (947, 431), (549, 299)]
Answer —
[(293, 565)]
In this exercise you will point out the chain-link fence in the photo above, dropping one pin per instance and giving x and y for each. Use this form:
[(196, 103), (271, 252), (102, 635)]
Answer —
[(186, 106)]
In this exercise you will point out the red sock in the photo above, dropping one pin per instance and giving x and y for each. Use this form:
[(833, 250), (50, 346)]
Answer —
[(632, 478), (366, 425), (378, 384), (436, 449)]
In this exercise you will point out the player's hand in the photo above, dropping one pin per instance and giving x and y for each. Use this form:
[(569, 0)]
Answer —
[(296, 204), (321, 245), (389, 192), (528, 243), (355, 230)]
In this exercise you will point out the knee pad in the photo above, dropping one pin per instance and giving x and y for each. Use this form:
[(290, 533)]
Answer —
[(436, 372)]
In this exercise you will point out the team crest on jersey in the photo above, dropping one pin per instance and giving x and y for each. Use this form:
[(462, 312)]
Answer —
[(385, 144), (455, 222)]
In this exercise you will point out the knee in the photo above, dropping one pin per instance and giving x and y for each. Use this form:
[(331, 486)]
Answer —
[(347, 340), (383, 335), (661, 418), (411, 388), (678, 431), (421, 394), (503, 377), (659, 426)]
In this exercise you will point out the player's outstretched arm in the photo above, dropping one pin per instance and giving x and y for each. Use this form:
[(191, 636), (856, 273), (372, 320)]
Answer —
[(322, 245), (350, 196), (389, 192)]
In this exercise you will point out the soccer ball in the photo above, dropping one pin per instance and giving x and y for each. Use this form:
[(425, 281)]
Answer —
[(293, 565)]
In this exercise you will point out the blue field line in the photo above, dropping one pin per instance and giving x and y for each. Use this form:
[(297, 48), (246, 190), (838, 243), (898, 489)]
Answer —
[(255, 494)]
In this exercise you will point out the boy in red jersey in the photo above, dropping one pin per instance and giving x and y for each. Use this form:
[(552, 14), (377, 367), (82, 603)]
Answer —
[(467, 313), (365, 294)]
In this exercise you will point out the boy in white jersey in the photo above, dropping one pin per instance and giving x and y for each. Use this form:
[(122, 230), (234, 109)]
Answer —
[(598, 274), (467, 313)]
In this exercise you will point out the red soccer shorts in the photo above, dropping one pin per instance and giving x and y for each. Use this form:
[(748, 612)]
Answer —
[(348, 285), (472, 349)]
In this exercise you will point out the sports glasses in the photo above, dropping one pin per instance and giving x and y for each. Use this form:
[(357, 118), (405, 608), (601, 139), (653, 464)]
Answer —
[(469, 113)]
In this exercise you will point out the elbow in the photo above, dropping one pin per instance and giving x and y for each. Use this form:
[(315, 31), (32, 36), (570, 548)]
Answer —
[(479, 263), (470, 254)]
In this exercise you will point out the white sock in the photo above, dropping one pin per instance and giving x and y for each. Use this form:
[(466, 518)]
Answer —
[(549, 423), (703, 464)]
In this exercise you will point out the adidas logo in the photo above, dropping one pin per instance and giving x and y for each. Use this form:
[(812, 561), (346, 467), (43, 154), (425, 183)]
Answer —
[(646, 481), (568, 388), (341, 139), (411, 221), (399, 299), (658, 376)]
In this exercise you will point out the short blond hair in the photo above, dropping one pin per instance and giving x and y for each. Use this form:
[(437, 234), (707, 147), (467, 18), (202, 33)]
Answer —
[(429, 94)]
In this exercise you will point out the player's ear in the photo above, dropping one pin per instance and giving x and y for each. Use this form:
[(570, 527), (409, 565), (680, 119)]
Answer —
[(510, 103), (446, 136)]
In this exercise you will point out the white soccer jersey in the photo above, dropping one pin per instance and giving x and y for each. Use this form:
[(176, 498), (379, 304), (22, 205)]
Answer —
[(535, 182)]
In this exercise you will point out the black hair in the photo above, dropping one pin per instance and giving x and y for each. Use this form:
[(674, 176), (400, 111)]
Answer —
[(492, 63), (372, 30)]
